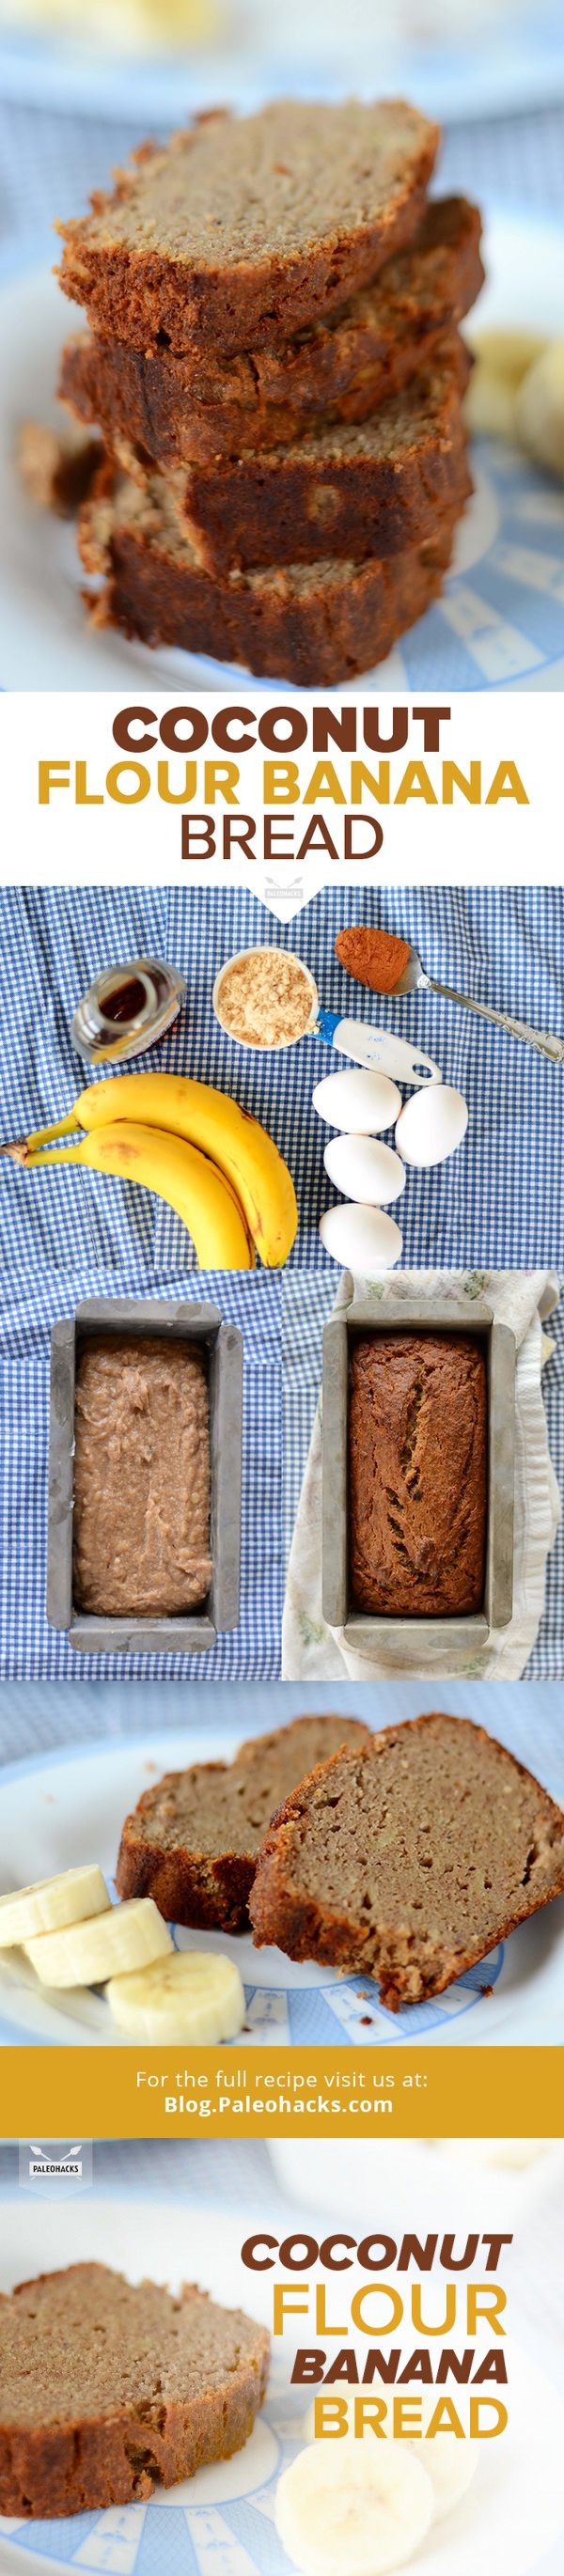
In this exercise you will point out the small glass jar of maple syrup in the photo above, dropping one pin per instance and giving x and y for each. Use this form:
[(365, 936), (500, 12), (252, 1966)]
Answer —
[(127, 1010)]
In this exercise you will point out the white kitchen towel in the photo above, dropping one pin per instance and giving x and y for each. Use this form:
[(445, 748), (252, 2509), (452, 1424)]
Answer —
[(312, 1650)]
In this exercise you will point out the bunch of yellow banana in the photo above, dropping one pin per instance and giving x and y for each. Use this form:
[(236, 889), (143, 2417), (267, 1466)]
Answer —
[(194, 1147)]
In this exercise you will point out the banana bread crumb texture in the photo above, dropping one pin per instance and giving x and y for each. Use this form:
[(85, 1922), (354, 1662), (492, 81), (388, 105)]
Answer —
[(315, 624), (409, 1859), (192, 1841), (204, 407), (245, 228), (106, 2388)]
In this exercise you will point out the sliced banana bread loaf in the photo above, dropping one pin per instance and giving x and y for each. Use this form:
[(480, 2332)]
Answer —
[(409, 1859), (417, 1441), (315, 624), (105, 2389), (353, 489), (202, 407), (244, 228), (192, 1841)]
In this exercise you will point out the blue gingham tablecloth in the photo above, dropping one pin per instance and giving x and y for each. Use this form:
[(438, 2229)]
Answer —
[(495, 1204), (28, 1647), (303, 1320)]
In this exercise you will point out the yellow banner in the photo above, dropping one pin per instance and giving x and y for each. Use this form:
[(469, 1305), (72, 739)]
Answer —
[(302, 2092)]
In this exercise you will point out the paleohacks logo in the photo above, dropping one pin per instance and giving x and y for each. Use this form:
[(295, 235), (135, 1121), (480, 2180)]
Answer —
[(52, 2164), (42, 2160)]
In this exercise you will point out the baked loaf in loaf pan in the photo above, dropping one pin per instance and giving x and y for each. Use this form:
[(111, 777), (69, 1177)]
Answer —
[(106, 2389), (245, 228), (417, 1454), (192, 1842), (315, 624), (202, 407), (409, 1859)]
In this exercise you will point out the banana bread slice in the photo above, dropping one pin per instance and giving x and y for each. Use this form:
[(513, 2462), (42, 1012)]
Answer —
[(244, 228), (106, 2388), (201, 407), (315, 624), (192, 1842), (368, 488), (417, 1445), (409, 1859)]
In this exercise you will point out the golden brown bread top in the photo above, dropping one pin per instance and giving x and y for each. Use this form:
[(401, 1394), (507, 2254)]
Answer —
[(417, 1441)]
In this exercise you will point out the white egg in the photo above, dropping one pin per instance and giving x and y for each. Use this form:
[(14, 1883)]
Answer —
[(364, 1169), (360, 1237), (431, 1125), (357, 1100)]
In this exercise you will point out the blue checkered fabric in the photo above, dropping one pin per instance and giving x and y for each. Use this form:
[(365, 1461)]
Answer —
[(493, 1205), (303, 1319)]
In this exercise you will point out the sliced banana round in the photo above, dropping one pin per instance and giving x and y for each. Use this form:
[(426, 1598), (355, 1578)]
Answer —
[(489, 404), (539, 409), (347, 2508), (450, 2459), (87, 1954), (194, 1995), (53, 1902)]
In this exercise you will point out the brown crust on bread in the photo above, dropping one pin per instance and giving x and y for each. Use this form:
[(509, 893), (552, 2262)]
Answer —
[(76, 2461), (148, 263), (410, 1964), (316, 633), (209, 1890), (190, 1887), (199, 407), (372, 488)]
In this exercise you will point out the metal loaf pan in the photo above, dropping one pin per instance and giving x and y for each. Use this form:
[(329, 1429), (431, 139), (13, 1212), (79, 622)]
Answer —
[(196, 1633), (437, 1639)]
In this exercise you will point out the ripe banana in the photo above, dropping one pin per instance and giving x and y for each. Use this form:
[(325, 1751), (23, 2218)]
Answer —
[(347, 2508), (87, 1954), (53, 1902), (201, 1195), (209, 1119), (196, 1996)]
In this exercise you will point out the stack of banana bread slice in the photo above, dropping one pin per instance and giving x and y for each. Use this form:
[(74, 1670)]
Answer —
[(275, 365)]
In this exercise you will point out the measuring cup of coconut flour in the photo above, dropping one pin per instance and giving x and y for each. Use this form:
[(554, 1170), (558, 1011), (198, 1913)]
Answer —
[(266, 999)]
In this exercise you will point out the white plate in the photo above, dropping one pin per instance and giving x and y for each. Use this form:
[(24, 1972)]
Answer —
[(69, 1807), (499, 624), (222, 2520)]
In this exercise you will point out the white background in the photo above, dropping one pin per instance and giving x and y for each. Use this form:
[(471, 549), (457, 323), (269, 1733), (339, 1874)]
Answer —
[(107, 843)]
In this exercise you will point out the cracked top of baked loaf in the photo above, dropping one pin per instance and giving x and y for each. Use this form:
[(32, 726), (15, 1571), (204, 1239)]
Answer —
[(417, 1439)]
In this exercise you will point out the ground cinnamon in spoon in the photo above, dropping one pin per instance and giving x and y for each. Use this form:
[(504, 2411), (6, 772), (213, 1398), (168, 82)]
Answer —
[(374, 957)]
